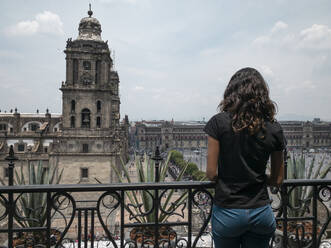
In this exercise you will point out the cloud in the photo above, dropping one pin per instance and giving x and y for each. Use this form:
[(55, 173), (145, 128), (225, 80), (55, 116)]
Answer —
[(272, 34), (138, 88), (279, 26), (45, 23), (266, 71), (316, 37), (261, 40)]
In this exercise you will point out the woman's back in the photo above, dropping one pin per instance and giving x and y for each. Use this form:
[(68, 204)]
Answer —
[(242, 161)]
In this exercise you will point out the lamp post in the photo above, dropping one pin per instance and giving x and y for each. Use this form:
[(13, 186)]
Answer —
[(157, 158), (11, 158)]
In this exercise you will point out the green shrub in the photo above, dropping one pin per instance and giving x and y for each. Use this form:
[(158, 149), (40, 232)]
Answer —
[(192, 167)]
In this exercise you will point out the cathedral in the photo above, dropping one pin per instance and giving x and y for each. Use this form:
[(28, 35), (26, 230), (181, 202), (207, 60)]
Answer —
[(88, 137)]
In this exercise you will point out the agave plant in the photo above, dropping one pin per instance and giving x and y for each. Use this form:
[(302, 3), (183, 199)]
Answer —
[(299, 168), (141, 202), (33, 205)]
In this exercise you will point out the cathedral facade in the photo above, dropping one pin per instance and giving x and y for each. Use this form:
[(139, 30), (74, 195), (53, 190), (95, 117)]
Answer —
[(88, 137)]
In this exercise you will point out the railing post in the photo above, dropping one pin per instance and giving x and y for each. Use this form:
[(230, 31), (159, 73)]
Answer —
[(315, 196), (11, 208), (285, 163), (157, 158), (284, 201)]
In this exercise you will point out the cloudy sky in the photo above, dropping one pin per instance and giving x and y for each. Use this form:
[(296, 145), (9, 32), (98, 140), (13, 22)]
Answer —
[(174, 57)]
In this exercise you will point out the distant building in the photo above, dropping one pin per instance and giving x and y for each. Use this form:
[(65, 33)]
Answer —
[(307, 134), (87, 137), (146, 135)]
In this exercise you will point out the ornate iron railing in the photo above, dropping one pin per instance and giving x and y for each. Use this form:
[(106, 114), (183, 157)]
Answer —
[(62, 204), (306, 230), (179, 223)]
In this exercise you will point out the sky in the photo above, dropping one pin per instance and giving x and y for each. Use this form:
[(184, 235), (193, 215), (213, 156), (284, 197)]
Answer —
[(174, 57)]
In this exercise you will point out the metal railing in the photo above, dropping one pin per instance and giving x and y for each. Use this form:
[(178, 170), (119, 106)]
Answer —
[(299, 223)]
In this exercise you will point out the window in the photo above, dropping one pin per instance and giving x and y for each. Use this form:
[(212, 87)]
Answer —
[(11, 130), (72, 122), (98, 122), (55, 129), (97, 71), (84, 172), (45, 149), (75, 71), (85, 148), (86, 118), (87, 65), (6, 172), (21, 147), (3, 127), (33, 126), (73, 106), (24, 129), (98, 106)]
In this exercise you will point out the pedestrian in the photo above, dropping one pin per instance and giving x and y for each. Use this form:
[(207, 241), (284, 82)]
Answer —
[(241, 138)]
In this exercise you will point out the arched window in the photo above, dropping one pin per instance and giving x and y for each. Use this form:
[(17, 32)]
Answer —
[(72, 122), (98, 122), (86, 118), (98, 106), (73, 106)]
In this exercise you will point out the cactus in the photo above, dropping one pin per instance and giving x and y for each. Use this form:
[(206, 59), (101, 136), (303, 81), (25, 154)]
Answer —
[(298, 168), (145, 172), (32, 206)]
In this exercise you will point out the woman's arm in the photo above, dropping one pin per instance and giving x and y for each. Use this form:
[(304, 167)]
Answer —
[(276, 176), (212, 158)]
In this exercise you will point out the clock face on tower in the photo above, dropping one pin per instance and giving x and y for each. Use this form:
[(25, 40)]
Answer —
[(86, 78)]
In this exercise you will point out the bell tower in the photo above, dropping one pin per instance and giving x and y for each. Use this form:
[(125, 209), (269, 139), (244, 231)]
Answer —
[(91, 137), (90, 92)]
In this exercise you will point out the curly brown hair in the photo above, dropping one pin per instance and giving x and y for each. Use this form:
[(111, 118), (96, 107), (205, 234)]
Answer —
[(247, 100)]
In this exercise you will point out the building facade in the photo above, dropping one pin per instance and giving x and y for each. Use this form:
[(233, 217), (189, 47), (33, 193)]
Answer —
[(314, 134), (88, 136), (146, 135), (175, 135)]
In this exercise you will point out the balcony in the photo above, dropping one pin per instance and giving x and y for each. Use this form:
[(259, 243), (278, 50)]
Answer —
[(115, 215), (63, 209)]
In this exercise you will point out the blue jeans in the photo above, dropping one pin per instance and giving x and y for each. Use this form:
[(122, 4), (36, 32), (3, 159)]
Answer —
[(243, 228)]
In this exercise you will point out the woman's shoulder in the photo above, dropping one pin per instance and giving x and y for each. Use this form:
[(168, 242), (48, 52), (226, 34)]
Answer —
[(273, 125), (217, 125), (221, 116)]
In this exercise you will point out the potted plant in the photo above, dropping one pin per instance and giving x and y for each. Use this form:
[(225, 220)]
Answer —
[(140, 202), (300, 197), (30, 208)]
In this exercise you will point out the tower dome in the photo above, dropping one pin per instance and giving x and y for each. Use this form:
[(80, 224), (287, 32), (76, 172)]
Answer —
[(89, 28)]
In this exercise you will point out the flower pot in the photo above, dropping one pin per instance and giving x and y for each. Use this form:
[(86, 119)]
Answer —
[(30, 239), (295, 231), (140, 234)]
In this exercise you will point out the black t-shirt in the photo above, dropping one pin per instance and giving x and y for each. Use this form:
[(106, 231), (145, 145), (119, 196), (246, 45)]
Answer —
[(241, 180)]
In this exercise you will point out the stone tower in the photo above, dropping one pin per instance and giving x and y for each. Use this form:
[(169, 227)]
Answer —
[(90, 92), (91, 137)]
